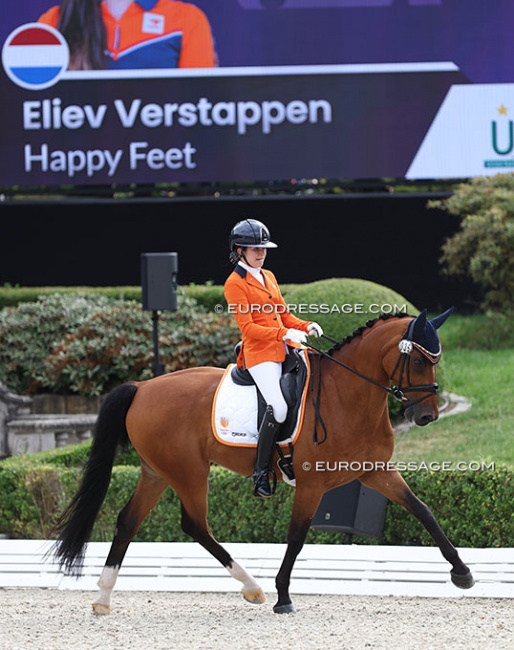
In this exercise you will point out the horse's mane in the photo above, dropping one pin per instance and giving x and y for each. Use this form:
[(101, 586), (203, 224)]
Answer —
[(363, 328)]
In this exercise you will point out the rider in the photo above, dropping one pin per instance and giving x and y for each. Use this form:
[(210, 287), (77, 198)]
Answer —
[(266, 324)]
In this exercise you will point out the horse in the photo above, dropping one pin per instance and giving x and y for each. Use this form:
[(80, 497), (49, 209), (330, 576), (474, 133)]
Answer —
[(167, 419)]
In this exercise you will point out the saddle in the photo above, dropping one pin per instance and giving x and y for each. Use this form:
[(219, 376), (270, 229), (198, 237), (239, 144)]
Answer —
[(292, 382)]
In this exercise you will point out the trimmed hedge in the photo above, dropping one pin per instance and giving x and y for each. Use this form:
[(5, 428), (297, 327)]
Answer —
[(207, 295), (473, 508)]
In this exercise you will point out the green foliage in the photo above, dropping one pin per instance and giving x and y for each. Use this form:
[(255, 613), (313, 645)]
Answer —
[(207, 295), (342, 305), (11, 296), (484, 432), (488, 331), (483, 248), (86, 344), (474, 508)]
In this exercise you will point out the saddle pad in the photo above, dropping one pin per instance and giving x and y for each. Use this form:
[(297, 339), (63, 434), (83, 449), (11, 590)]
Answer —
[(234, 412)]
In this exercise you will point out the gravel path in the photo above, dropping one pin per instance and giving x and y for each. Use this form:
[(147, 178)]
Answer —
[(48, 619)]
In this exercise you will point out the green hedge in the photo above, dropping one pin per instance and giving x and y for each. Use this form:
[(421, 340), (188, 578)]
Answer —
[(207, 295), (474, 508)]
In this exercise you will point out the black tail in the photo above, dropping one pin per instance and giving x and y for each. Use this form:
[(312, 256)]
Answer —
[(74, 527)]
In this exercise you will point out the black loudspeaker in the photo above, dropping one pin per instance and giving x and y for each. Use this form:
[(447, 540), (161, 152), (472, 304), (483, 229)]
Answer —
[(352, 509), (159, 281)]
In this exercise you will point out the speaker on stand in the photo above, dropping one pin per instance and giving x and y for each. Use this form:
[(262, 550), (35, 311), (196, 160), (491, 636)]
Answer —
[(159, 292)]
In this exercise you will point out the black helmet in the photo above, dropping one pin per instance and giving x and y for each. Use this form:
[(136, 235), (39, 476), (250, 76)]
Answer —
[(250, 233)]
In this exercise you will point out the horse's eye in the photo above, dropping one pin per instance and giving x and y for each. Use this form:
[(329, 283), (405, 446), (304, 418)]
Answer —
[(418, 361)]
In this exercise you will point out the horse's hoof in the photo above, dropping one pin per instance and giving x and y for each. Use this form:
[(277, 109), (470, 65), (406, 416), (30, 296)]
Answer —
[(284, 609), (255, 596), (101, 609), (465, 581)]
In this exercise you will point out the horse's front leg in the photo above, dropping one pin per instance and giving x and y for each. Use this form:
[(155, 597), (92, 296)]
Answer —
[(393, 486), (304, 508)]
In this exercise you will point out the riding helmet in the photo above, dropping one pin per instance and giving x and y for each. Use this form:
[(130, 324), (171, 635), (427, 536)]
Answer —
[(250, 232)]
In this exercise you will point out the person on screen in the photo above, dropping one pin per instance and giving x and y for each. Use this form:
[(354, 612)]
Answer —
[(267, 328), (133, 34)]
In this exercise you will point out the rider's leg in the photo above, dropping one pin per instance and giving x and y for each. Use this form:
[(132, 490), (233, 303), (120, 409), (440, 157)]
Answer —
[(267, 377)]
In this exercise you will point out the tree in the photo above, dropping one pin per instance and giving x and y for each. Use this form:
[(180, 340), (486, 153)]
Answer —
[(483, 248)]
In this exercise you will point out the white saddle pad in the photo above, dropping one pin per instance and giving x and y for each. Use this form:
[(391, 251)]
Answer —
[(234, 412)]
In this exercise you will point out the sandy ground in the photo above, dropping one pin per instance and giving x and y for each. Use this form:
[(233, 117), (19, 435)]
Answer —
[(48, 619)]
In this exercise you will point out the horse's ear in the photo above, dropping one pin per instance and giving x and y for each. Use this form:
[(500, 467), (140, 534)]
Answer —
[(418, 326), (439, 320)]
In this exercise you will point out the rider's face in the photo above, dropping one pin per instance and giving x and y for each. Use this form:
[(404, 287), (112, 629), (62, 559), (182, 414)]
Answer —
[(255, 256)]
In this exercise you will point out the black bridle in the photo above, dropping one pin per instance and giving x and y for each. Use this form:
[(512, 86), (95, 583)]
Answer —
[(397, 391)]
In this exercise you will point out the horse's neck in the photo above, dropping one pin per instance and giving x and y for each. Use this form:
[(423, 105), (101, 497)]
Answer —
[(365, 353)]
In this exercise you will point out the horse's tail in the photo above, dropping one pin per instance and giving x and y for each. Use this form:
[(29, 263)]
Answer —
[(74, 527)]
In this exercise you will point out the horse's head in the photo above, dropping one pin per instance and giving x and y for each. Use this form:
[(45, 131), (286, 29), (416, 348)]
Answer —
[(415, 371)]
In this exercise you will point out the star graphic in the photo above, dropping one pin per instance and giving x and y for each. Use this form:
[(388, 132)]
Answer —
[(502, 110)]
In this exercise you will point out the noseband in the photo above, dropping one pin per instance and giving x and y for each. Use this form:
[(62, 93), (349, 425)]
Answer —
[(403, 364)]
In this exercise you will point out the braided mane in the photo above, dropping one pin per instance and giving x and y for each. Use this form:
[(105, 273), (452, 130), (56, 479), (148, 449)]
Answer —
[(363, 328)]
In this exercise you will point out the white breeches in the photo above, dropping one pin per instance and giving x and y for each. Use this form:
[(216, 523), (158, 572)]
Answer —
[(267, 377)]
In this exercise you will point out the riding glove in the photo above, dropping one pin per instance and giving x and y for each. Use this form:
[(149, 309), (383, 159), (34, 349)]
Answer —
[(315, 329), (295, 336)]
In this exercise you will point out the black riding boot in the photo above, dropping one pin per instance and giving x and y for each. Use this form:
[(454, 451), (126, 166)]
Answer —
[(268, 434)]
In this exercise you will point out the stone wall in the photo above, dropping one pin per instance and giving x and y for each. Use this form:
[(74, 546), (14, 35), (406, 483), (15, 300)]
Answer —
[(43, 422)]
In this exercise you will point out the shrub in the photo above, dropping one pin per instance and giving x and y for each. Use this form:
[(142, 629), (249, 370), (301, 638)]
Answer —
[(483, 248), (341, 305), (86, 344), (473, 508)]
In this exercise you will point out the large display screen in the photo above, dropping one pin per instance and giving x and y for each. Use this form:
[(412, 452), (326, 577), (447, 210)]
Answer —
[(157, 91)]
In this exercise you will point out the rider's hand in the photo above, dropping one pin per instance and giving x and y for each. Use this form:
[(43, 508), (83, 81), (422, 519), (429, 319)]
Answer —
[(315, 330), (295, 336)]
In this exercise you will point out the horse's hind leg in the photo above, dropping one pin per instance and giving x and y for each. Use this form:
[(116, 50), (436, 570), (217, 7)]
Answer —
[(193, 499), (146, 496), (393, 486)]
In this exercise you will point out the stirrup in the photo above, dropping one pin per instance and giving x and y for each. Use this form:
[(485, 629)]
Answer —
[(261, 482), (285, 464)]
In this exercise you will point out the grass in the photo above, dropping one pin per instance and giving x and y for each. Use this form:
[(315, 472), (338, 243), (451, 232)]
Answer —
[(478, 353)]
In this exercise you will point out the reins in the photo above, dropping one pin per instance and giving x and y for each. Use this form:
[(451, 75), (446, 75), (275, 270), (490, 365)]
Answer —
[(396, 391)]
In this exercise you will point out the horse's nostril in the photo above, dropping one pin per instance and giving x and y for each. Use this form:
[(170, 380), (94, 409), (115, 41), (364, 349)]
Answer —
[(426, 419)]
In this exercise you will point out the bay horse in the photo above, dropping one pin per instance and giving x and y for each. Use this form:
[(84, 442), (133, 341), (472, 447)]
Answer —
[(167, 419)]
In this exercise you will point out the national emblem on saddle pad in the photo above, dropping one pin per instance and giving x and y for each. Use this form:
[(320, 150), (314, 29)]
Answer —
[(238, 405)]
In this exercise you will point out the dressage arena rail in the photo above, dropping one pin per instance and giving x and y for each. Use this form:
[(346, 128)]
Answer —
[(345, 569)]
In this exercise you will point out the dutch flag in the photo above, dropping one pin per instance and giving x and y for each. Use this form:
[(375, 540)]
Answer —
[(35, 56)]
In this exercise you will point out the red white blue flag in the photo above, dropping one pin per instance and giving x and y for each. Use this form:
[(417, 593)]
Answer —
[(35, 56)]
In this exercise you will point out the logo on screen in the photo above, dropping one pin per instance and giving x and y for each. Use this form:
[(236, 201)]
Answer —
[(35, 56)]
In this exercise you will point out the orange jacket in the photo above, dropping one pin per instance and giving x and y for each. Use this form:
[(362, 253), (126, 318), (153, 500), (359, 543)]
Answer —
[(154, 34), (262, 316)]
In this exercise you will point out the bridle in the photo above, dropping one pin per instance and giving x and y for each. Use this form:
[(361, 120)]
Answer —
[(398, 391)]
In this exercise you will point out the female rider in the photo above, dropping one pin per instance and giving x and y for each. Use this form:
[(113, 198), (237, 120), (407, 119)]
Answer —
[(267, 326)]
